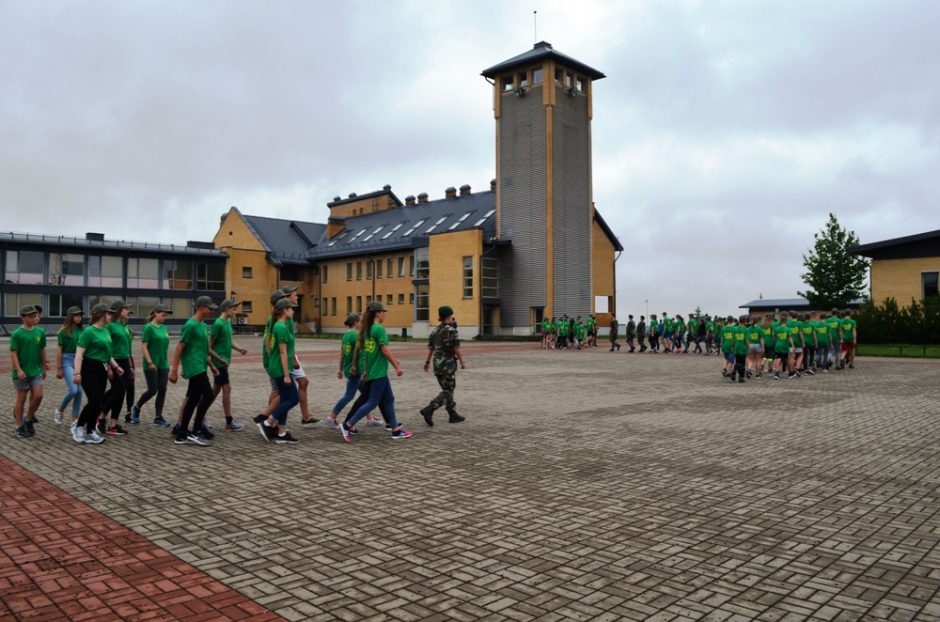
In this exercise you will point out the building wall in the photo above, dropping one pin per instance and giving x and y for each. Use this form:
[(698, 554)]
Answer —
[(900, 278), (362, 206), (245, 251), (446, 253), (336, 286), (603, 271)]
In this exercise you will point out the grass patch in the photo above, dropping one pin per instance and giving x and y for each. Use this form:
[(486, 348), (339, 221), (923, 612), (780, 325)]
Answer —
[(899, 350)]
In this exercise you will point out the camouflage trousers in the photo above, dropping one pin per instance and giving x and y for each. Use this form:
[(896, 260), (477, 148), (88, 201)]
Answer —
[(448, 382)]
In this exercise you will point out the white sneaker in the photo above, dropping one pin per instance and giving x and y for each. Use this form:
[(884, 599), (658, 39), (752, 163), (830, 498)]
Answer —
[(78, 434), (330, 422), (57, 417), (197, 439), (94, 438)]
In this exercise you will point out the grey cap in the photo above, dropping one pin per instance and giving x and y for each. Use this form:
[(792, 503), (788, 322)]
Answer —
[(30, 309), (117, 305), (283, 303), (375, 306), (228, 303), (99, 308), (351, 319), (278, 294), (161, 309), (205, 301), (74, 311)]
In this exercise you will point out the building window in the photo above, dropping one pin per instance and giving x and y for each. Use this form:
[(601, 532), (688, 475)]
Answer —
[(401, 299), (378, 268), (559, 76), (292, 273), (522, 78), (348, 305), (332, 306), (325, 274), (143, 273), (507, 83), (177, 274), (368, 269), (358, 270), (246, 306), (423, 264), (141, 306), (59, 304), (26, 268), (246, 272), (358, 304), (12, 303), (107, 300), (411, 266), (489, 277), (389, 264), (468, 277), (537, 76), (388, 300), (421, 302), (401, 266), (68, 269), (349, 271), (580, 84), (107, 271), (411, 298), (928, 281), (210, 276), (324, 307)]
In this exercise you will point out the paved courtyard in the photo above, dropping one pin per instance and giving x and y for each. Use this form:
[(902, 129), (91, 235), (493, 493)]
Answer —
[(583, 486)]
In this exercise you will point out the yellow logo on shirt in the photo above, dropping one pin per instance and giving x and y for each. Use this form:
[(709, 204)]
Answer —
[(370, 345)]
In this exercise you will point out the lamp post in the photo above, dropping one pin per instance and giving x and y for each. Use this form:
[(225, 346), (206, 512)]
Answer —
[(647, 308)]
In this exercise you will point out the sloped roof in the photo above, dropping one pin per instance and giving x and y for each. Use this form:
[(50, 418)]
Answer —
[(919, 245), (190, 248), (409, 226), (786, 303), (542, 51), (371, 195), (608, 231), (286, 241)]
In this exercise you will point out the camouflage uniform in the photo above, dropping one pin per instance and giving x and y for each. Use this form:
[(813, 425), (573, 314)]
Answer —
[(443, 341)]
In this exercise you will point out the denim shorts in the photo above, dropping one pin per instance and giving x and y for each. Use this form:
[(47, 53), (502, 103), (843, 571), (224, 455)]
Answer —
[(26, 385)]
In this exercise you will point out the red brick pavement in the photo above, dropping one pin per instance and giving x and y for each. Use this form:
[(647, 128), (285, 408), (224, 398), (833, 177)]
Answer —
[(62, 560)]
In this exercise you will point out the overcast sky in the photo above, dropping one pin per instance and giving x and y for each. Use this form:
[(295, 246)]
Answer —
[(723, 134)]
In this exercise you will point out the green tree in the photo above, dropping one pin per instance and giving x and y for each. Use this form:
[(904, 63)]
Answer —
[(834, 277)]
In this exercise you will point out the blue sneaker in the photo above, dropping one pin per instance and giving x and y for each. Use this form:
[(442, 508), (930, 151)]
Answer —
[(135, 414), (160, 422)]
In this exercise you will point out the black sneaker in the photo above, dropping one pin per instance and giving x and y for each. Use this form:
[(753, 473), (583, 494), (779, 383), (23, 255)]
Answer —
[(30, 426), (180, 439), (309, 421), (205, 433), (427, 412), (116, 430), (285, 439), (21, 432), (259, 418)]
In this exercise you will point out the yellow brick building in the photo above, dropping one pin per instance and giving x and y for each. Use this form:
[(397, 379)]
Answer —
[(905, 268)]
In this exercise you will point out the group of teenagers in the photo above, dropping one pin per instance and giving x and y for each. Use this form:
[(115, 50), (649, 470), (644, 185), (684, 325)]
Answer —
[(95, 360), (565, 332)]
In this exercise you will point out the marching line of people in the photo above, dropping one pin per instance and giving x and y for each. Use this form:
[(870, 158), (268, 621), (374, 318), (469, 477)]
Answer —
[(96, 362), (569, 333)]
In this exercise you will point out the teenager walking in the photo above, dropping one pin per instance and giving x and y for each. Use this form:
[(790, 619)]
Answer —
[(346, 352), (193, 352), (280, 360), (154, 347), (444, 351), (67, 339), (221, 345), (93, 366), (122, 385), (28, 356)]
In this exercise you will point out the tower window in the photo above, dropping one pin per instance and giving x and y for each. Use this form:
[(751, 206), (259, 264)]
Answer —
[(579, 84), (569, 80), (537, 76), (523, 79), (507, 83), (559, 76)]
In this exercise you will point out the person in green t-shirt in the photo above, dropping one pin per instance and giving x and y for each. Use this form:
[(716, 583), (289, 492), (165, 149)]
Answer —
[(808, 337), (726, 337), (28, 355), (835, 337), (373, 340), (592, 331), (783, 346), (193, 352), (678, 332), (280, 363), (822, 343), (796, 352), (755, 347), (768, 329), (93, 366), (546, 326), (67, 339), (580, 334), (849, 338), (122, 384), (666, 336), (347, 351), (154, 348), (221, 345), (740, 349)]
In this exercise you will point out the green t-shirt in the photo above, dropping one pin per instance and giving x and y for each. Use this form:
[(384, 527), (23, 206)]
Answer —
[(693, 326), (768, 331), (667, 327), (375, 361), (158, 343), (28, 343), (590, 324), (740, 339), (69, 343), (281, 333), (847, 325), (221, 337), (196, 337), (727, 338), (755, 333), (96, 343), (121, 337), (834, 325), (796, 333), (264, 341), (710, 327), (562, 329), (581, 331), (349, 348), (809, 330), (679, 326), (822, 333), (782, 338)]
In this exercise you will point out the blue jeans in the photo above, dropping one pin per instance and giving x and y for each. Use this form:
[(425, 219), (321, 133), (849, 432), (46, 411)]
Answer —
[(289, 398), (73, 391), (822, 356), (380, 394), (352, 385)]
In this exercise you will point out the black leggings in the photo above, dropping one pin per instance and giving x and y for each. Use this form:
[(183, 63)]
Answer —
[(199, 398), (121, 386), (156, 385), (94, 384)]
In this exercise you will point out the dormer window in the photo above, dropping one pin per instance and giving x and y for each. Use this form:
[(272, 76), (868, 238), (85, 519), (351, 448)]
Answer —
[(579, 84), (537, 76), (507, 83)]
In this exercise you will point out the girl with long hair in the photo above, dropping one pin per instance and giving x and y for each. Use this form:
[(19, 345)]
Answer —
[(65, 363), (154, 346), (280, 362), (93, 366)]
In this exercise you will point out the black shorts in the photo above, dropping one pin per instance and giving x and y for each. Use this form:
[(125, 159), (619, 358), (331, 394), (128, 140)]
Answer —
[(782, 356), (222, 379)]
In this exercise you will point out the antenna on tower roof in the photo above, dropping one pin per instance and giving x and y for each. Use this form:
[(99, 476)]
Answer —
[(535, 26)]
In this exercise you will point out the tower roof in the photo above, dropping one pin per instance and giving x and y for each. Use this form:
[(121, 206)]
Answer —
[(542, 51)]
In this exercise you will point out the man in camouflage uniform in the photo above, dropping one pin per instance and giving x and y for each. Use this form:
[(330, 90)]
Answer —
[(444, 349)]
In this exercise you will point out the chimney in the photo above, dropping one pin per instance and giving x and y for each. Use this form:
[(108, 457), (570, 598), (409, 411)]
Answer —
[(94, 237), (450, 193), (493, 185), (465, 190), (353, 195), (410, 199), (423, 198), (387, 188), (337, 199)]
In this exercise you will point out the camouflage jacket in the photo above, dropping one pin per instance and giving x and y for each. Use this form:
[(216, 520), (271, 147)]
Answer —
[(443, 341)]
